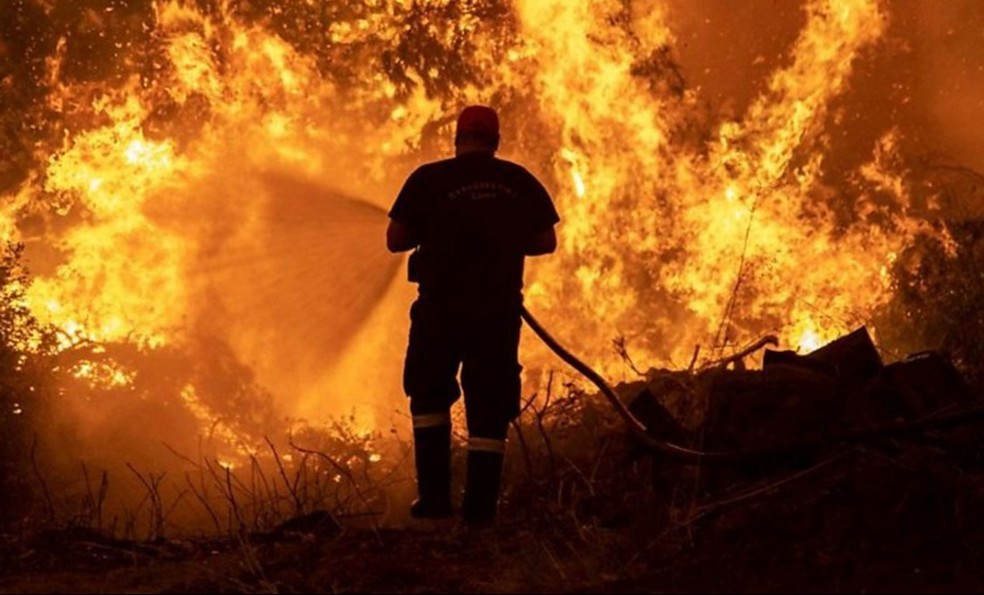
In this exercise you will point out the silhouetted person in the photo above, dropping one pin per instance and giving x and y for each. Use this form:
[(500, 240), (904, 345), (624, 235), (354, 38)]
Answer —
[(471, 220)]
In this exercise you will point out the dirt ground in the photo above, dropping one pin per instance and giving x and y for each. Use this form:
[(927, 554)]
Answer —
[(886, 517)]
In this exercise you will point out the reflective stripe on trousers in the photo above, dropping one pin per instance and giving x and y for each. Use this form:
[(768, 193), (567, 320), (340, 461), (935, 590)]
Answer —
[(476, 443), (431, 420)]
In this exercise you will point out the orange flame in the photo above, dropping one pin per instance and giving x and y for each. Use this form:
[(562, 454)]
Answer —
[(675, 231)]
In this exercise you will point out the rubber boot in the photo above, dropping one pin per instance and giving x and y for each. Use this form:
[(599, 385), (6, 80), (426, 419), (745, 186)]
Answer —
[(482, 486), (432, 454)]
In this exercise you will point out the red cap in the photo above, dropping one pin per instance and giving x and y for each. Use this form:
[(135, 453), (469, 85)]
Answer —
[(478, 119)]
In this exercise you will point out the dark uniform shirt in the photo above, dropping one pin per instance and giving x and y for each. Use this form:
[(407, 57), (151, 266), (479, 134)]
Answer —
[(474, 216)]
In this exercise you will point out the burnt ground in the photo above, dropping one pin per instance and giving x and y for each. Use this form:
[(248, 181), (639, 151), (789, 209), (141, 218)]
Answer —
[(883, 517)]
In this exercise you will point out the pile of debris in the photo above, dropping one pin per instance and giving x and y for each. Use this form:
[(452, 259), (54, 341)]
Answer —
[(860, 475), (795, 403)]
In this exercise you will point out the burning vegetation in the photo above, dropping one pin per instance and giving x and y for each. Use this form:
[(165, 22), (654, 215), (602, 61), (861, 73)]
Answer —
[(202, 330)]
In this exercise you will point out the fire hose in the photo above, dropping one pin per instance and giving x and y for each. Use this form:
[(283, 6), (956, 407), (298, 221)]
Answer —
[(686, 455)]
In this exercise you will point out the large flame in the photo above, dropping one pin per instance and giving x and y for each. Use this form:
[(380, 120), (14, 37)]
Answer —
[(679, 243), (210, 190)]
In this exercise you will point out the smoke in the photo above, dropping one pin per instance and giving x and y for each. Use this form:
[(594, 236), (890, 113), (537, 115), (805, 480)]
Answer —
[(926, 74), (728, 52), (946, 43)]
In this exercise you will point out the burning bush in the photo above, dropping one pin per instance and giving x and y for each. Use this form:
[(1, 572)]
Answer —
[(26, 349), (938, 295)]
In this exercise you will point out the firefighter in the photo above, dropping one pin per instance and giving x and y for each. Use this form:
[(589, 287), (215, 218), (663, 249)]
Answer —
[(470, 220)]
